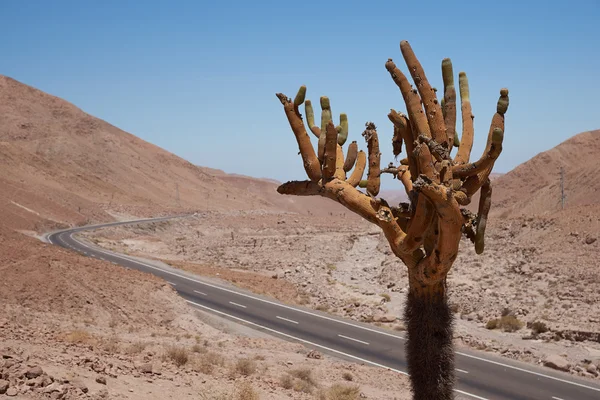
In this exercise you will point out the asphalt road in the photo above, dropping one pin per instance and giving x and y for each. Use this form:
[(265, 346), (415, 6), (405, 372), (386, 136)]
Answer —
[(480, 375)]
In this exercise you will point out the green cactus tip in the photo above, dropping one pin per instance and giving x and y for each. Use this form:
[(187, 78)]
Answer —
[(300, 96)]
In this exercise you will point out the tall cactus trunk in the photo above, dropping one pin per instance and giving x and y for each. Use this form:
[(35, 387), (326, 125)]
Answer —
[(429, 347)]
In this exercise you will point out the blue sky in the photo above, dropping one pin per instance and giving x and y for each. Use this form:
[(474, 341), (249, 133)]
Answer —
[(199, 78)]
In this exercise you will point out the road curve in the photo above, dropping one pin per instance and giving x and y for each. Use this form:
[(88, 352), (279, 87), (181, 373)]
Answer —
[(479, 375)]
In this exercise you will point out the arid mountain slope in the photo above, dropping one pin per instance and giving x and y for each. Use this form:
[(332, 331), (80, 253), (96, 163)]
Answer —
[(59, 165), (534, 186)]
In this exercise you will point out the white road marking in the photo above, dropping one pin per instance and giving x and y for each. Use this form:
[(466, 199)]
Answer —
[(238, 293), (236, 304), (328, 318), (462, 370), (320, 346), (171, 283), (530, 372), (285, 319), (356, 340), (557, 398), (203, 294)]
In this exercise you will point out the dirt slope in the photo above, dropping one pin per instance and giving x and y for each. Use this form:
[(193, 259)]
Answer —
[(59, 165), (534, 186)]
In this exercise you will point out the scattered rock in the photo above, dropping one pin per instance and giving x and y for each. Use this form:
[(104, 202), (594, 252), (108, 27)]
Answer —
[(145, 368), (590, 240), (34, 372), (12, 391), (101, 380), (78, 383), (3, 386), (314, 354), (557, 362)]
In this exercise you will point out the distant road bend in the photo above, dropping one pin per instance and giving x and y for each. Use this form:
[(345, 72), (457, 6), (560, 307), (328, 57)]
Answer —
[(480, 375)]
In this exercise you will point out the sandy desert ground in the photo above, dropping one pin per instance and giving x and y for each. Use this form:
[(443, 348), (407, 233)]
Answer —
[(79, 328), (534, 287)]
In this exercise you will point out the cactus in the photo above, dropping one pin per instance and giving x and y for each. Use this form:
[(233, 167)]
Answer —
[(424, 234)]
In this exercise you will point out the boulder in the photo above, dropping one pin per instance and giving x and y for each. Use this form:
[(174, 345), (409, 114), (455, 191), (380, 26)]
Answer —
[(557, 362)]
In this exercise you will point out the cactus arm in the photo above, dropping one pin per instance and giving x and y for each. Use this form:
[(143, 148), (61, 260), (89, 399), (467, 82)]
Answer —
[(425, 161), (401, 122), (300, 96), (446, 174), (310, 118), (343, 129), (411, 99), (351, 156), (373, 179), (310, 161), (404, 177), (435, 266), (397, 141), (485, 203), (417, 224), (339, 163), (325, 119), (475, 182), (433, 110), (466, 143), (485, 162), (449, 102), (359, 170), (330, 150)]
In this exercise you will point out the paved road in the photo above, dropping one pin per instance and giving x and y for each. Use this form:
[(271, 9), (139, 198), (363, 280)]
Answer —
[(480, 375)]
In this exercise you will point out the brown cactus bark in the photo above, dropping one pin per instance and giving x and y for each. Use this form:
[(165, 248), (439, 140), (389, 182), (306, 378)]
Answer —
[(426, 233)]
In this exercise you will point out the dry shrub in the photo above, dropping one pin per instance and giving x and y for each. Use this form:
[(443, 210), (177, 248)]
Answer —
[(341, 392), (347, 376), (246, 392), (286, 381), (199, 349), (79, 336), (207, 362), (179, 355), (301, 380), (538, 327), (386, 297), (508, 323), (245, 366), (492, 324), (136, 348), (111, 345)]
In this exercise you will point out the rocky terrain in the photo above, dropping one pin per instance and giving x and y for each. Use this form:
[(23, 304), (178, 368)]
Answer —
[(531, 295), (61, 166), (534, 187), (72, 327)]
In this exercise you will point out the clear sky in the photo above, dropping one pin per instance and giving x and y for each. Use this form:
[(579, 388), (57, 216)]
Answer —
[(199, 78)]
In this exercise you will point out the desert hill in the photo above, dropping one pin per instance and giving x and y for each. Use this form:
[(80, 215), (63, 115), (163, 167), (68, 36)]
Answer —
[(533, 187), (60, 165)]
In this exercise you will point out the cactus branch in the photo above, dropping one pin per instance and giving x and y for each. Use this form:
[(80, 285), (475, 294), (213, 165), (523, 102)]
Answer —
[(351, 156), (330, 151), (433, 109), (343, 129), (310, 118), (486, 161), (311, 163), (466, 143), (449, 101), (359, 169), (373, 180), (485, 202), (411, 99)]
